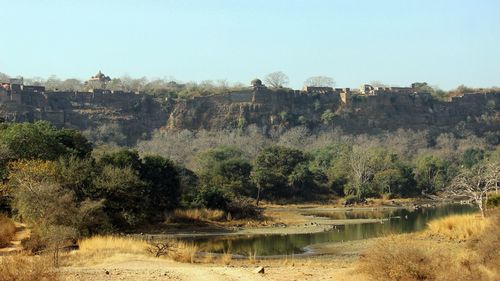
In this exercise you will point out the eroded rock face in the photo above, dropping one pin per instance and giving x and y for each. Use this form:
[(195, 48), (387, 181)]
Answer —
[(140, 114)]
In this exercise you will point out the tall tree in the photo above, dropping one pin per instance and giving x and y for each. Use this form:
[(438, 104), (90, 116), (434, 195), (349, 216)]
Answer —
[(276, 79), (320, 81)]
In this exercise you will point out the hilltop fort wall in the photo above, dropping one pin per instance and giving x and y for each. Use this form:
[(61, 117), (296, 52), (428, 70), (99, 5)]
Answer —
[(378, 110)]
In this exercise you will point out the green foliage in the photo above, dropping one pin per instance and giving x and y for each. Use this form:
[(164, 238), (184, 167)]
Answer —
[(162, 178), (283, 172), (75, 174), (137, 189), (224, 168), (431, 173), (472, 156), (41, 140), (125, 195), (327, 117), (493, 201), (212, 198), (122, 158)]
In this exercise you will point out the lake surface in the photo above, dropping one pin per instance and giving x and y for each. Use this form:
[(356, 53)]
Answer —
[(390, 221)]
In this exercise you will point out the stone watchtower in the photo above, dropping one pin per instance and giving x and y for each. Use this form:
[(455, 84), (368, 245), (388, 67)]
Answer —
[(98, 81), (257, 84)]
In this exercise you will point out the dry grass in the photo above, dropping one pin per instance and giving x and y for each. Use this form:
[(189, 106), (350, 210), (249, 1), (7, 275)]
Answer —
[(226, 258), (252, 256), (184, 252), (458, 227), (104, 249), (24, 268), (98, 249), (423, 257), (7, 230), (487, 245), (400, 257), (190, 215)]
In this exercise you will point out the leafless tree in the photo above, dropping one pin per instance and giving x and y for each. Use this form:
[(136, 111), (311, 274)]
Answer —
[(320, 81), (276, 79), (474, 184), (159, 249), (362, 170)]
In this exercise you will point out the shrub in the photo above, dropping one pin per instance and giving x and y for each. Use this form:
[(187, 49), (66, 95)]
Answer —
[(353, 199), (7, 230), (244, 209), (23, 268), (460, 227), (389, 259), (403, 258), (494, 201), (184, 252)]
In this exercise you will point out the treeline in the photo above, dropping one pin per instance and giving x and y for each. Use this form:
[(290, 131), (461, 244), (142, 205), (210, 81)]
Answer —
[(166, 87), (169, 87), (55, 179), (298, 165)]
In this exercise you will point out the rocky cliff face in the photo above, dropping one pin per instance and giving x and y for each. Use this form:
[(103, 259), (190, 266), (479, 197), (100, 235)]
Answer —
[(139, 114)]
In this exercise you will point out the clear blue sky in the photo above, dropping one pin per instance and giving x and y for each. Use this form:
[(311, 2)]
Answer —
[(443, 42)]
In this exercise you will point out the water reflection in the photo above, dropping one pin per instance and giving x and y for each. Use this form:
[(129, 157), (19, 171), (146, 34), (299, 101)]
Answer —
[(399, 221)]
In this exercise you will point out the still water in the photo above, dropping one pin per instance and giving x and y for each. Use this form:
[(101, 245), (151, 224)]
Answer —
[(390, 221)]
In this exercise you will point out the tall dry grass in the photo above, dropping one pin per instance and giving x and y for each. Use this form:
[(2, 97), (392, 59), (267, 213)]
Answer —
[(98, 249), (191, 215), (7, 230), (422, 257), (27, 268), (184, 252), (487, 245), (226, 258), (458, 227)]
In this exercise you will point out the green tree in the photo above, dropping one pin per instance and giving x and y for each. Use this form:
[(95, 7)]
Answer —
[(163, 184), (41, 140), (125, 195), (122, 158), (76, 174), (275, 169), (225, 168), (331, 160), (431, 173)]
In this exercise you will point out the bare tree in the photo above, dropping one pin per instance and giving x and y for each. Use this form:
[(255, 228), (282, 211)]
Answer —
[(320, 81), (276, 79), (361, 168), (158, 248), (474, 184)]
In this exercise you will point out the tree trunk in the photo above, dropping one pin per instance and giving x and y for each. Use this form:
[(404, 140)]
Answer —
[(480, 205), (258, 195)]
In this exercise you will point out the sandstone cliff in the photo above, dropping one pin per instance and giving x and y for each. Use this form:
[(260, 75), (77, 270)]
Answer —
[(140, 114)]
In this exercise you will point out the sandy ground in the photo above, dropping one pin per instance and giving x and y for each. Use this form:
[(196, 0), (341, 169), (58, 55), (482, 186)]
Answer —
[(319, 268)]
